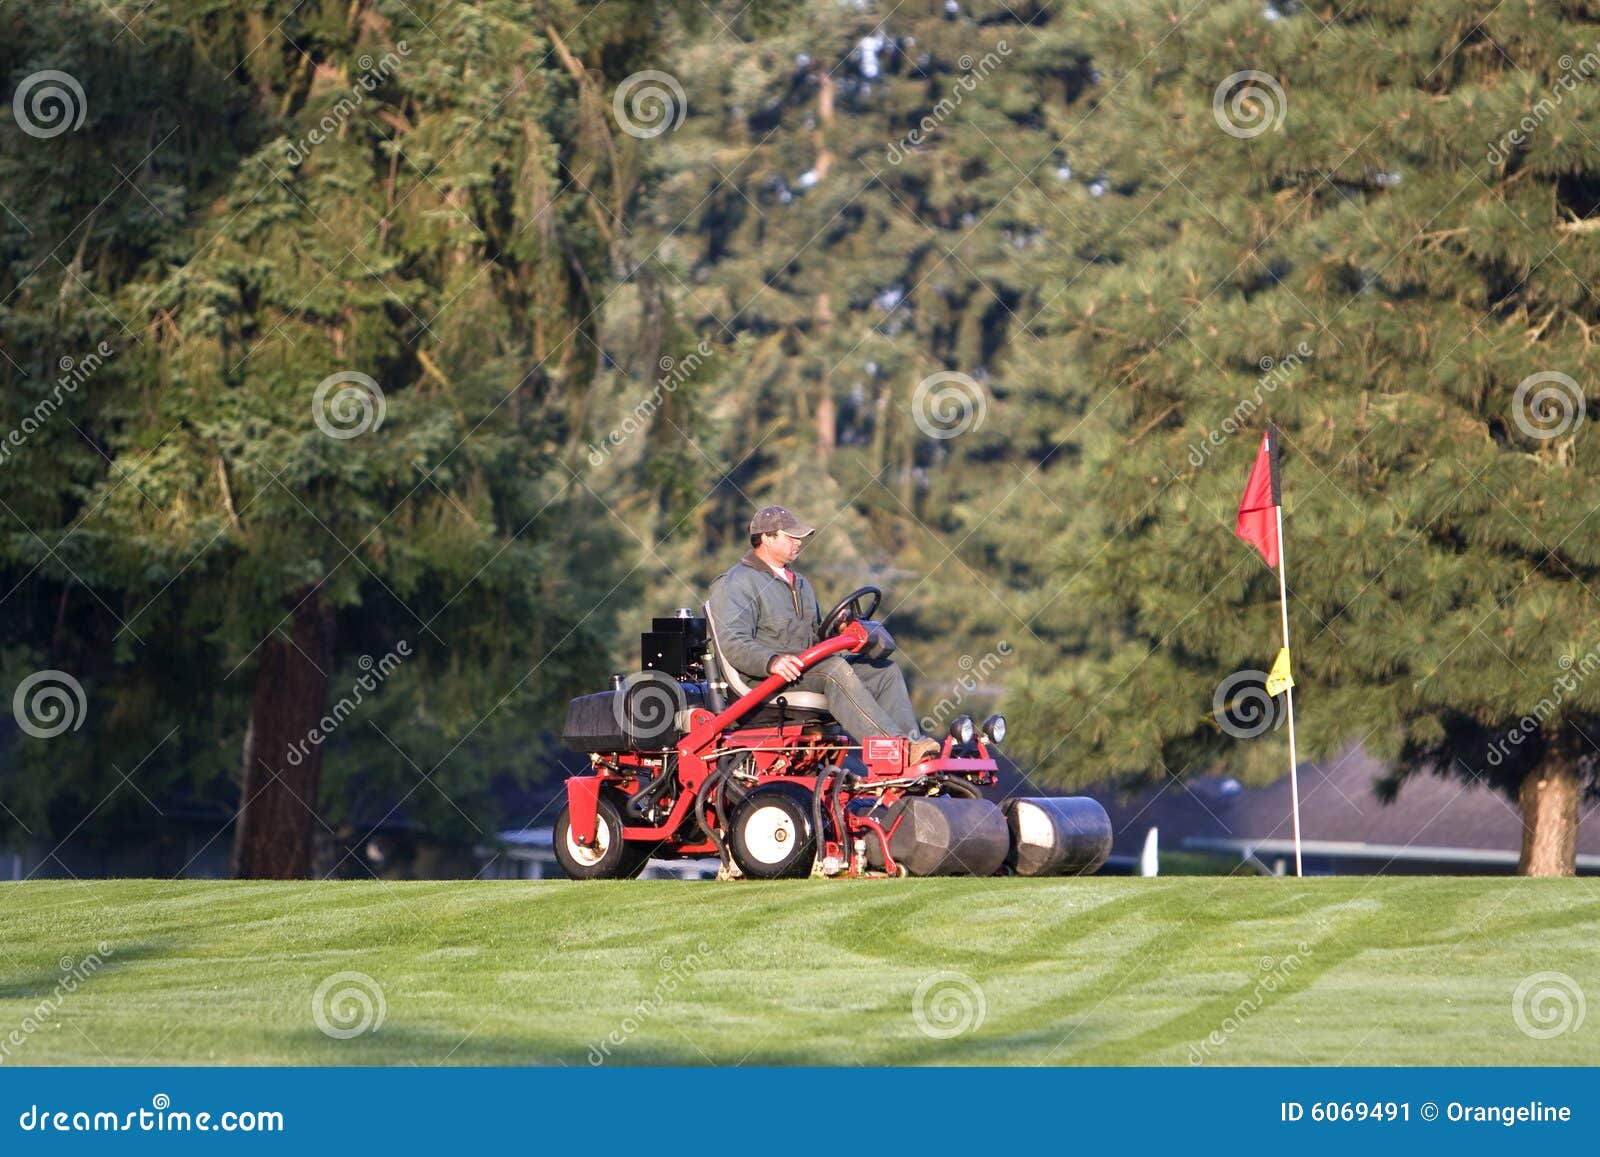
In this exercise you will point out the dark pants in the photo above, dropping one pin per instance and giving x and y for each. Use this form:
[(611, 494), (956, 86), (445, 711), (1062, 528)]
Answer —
[(866, 696)]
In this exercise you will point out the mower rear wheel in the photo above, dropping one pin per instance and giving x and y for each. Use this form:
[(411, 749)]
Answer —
[(771, 838), (611, 857)]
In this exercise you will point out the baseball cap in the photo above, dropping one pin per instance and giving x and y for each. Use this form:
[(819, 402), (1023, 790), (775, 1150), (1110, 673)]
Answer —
[(772, 518)]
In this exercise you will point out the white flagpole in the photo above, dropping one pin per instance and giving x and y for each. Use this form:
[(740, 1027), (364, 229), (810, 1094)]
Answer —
[(1294, 774)]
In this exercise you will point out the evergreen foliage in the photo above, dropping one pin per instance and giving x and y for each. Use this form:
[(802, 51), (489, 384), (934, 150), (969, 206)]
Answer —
[(423, 196), (1001, 293)]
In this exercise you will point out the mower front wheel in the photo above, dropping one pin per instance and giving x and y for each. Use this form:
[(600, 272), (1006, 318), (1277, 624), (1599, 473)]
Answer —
[(771, 838), (611, 857)]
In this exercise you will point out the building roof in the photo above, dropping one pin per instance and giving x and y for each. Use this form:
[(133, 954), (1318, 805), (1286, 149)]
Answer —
[(1432, 817)]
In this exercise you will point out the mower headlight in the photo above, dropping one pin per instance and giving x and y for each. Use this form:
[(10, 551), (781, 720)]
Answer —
[(994, 729), (962, 729)]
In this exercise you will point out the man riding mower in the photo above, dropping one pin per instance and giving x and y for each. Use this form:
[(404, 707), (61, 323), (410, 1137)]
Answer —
[(697, 756)]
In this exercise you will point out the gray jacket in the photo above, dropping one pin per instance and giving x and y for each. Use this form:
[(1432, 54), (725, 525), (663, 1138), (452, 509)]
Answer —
[(758, 616)]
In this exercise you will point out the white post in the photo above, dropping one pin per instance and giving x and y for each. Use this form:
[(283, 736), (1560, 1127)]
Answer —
[(1294, 774), (1150, 855)]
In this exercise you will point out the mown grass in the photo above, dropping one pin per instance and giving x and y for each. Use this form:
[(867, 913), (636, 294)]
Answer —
[(1100, 971)]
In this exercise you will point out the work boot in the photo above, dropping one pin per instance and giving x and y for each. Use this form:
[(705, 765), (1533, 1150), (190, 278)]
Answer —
[(922, 749)]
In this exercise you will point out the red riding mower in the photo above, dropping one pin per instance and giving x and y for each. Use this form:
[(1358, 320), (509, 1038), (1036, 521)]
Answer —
[(771, 785)]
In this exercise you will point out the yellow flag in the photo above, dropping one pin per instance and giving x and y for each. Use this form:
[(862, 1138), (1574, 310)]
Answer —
[(1280, 680)]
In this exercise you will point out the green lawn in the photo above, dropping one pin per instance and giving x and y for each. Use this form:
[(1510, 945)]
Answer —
[(1103, 971)]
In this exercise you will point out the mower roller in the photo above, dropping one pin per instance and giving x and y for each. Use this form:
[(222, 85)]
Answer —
[(687, 760)]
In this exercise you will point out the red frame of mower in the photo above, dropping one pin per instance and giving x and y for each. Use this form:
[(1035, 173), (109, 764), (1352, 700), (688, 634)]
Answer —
[(797, 758)]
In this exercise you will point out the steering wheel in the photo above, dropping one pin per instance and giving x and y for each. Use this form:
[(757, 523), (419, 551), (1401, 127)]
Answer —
[(850, 609)]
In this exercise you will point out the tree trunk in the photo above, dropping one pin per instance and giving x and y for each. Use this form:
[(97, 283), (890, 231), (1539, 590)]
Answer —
[(1549, 799), (827, 419), (282, 751)]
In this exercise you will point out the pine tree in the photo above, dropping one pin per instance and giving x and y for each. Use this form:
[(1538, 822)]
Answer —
[(836, 221), (1370, 224), (354, 358), (1116, 238)]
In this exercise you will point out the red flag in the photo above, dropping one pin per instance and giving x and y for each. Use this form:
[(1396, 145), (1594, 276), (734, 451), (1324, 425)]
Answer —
[(1258, 520)]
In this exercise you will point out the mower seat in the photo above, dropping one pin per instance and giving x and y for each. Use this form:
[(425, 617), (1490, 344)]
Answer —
[(785, 705)]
